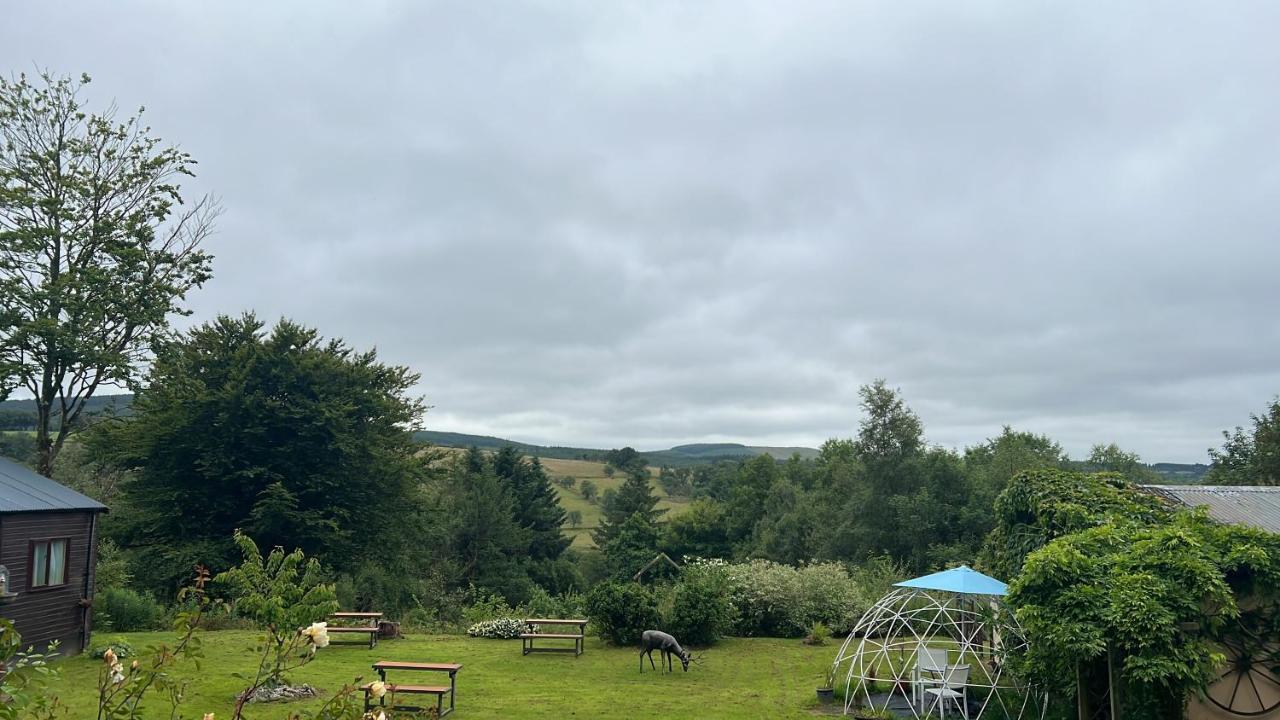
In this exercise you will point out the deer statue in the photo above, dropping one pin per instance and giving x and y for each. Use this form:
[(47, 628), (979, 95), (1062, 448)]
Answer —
[(651, 640)]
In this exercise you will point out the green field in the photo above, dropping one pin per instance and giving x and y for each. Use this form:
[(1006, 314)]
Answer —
[(591, 512), (738, 678)]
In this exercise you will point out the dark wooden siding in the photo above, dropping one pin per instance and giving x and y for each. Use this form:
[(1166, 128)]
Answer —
[(43, 615)]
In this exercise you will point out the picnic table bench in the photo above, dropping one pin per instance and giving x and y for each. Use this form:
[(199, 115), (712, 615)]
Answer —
[(370, 630), (527, 638), (394, 689)]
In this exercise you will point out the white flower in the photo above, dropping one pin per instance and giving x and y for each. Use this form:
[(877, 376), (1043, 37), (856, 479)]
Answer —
[(117, 673), (318, 633), (109, 657), (377, 688)]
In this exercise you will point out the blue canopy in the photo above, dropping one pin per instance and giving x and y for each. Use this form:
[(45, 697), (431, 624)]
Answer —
[(964, 580)]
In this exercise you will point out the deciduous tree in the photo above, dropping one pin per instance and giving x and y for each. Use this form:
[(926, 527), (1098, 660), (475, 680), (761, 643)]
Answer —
[(97, 249)]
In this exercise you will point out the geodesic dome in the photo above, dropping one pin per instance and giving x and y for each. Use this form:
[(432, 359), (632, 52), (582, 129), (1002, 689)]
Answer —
[(890, 659)]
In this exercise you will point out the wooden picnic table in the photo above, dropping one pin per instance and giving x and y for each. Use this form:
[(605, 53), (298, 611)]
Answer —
[(372, 617), (527, 638), (382, 666)]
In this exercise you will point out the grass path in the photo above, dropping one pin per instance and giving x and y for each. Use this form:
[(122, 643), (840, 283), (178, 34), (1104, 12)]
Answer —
[(739, 678)]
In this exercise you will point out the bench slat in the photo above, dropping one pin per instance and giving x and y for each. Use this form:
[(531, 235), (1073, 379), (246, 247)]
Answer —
[(418, 689), (352, 629), (553, 636)]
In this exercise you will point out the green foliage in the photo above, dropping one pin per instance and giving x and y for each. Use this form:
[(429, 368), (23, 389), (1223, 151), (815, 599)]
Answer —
[(633, 545), (1141, 591), (700, 531), (701, 610), (112, 569), (298, 440), (626, 460), (1111, 458), (1042, 505), (590, 491), (817, 635), (536, 506), (24, 685), (98, 251), (620, 611), (126, 610), (1249, 457), (1103, 568), (635, 496), (508, 628), (281, 593), (779, 600), (118, 645)]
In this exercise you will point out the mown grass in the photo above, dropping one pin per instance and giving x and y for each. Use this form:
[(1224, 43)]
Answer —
[(738, 678)]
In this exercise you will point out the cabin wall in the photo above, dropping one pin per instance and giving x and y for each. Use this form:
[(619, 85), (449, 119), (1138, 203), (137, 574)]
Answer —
[(43, 615)]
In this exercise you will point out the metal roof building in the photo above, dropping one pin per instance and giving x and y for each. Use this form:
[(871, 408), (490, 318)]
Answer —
[(48, 545), (23, 490), (1257, 506)]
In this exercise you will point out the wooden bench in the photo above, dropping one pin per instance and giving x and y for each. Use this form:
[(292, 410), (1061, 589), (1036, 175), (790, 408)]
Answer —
[(396, 689), (371, 632), (527, 638), (372, 617)]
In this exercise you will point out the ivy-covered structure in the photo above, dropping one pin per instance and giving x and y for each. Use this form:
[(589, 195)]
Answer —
[(1133, 605)]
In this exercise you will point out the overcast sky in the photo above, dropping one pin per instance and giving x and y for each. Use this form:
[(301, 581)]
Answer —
[(607, 223)]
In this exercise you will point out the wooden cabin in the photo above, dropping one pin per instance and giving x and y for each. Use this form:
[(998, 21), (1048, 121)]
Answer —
[(48, 544)]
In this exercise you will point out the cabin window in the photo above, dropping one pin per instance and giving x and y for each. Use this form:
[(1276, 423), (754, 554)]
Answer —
[(48, 563)]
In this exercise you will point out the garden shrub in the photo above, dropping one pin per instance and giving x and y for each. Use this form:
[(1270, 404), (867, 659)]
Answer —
[(700, 610), (818, 634), (619, 612), (500, 629), (768, 599), (119, 646), (775, 600), (487, 607), (128, 610), (829, 596)]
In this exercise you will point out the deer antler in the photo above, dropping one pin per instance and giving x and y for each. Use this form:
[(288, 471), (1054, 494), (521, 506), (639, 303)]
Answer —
[(696, 658)]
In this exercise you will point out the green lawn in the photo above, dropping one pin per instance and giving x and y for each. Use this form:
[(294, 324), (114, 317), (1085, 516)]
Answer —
[(738, 678)]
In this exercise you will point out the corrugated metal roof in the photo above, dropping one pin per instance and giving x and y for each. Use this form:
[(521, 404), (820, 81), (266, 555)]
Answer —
[(24, 490), (1258, 506)]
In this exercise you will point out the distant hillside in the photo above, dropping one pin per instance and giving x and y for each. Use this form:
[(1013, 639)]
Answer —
[(1181, 473), (679, 456), (21, 414)]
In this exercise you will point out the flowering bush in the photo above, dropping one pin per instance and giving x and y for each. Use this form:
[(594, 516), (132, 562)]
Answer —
[(500, 628), (776, 600)]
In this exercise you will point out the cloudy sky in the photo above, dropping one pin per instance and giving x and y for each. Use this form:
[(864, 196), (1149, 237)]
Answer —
[(604, 223)]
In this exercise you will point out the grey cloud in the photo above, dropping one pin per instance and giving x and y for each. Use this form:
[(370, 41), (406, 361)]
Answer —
[(646, 223)]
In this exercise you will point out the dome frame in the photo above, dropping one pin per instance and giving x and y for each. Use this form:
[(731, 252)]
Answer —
[(978, 630)]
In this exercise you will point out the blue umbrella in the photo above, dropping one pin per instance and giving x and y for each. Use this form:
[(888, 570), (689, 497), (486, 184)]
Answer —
[(963, 580)]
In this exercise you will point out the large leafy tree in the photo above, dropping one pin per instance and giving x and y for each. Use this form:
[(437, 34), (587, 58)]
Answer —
[(97, 249), (297, 440), (991, 464), (1249, 456)]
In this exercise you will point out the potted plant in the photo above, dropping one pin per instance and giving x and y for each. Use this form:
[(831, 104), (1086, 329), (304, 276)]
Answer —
[(826, 692)]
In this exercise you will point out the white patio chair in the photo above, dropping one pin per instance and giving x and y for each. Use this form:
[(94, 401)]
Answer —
[(954, 688), (931, 663)]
